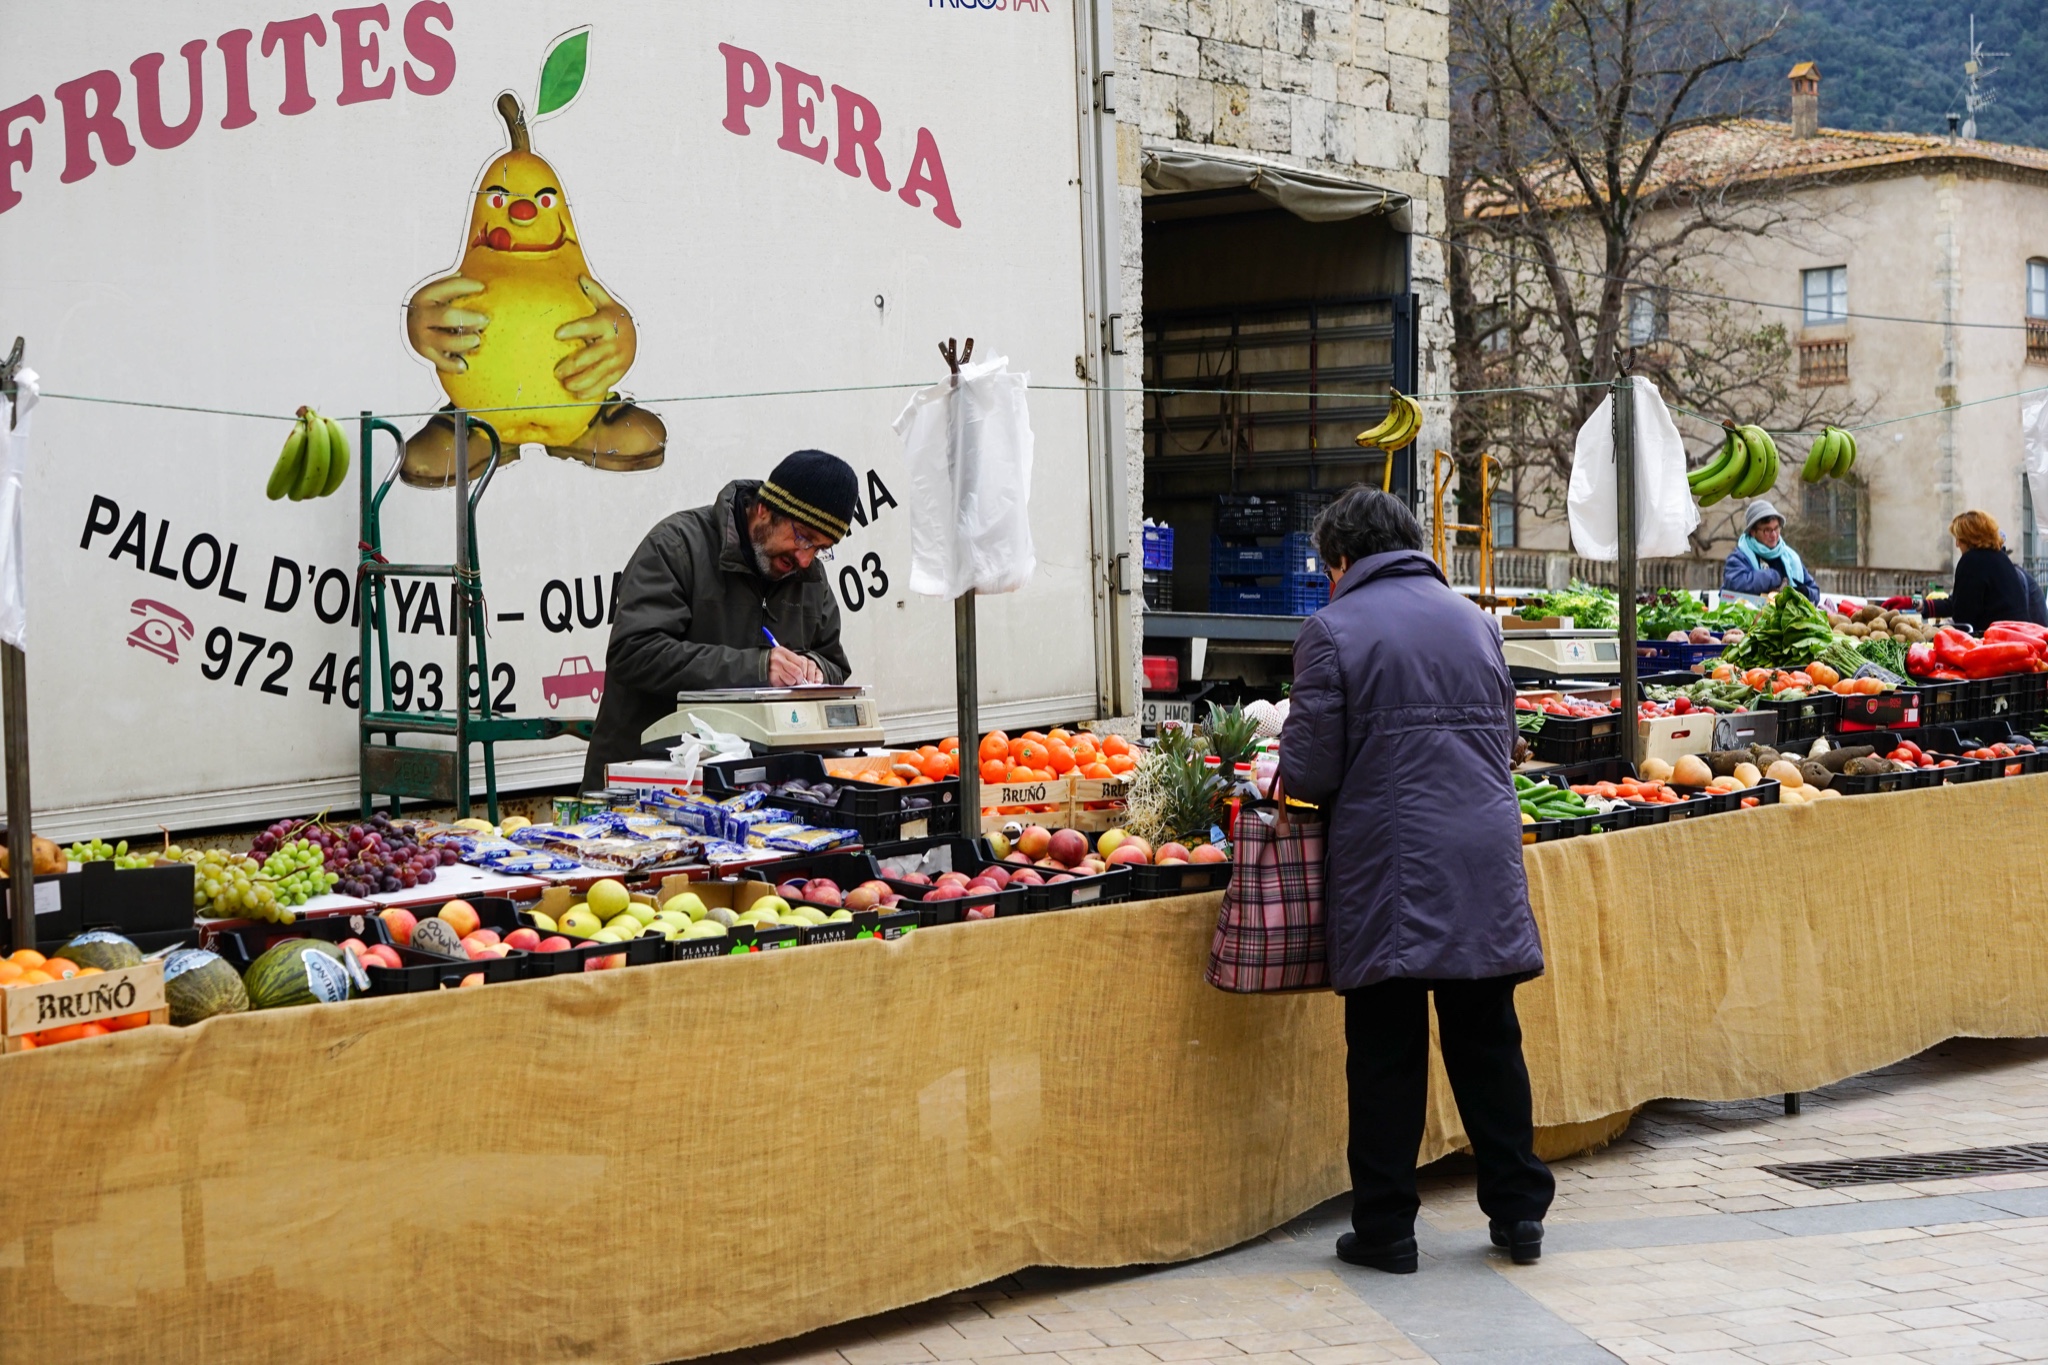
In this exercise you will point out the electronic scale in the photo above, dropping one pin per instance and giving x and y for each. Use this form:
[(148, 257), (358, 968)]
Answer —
[(1551, 654), (776, 717)]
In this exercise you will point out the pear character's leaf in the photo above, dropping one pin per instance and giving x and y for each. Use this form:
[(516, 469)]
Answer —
[(561, 74)]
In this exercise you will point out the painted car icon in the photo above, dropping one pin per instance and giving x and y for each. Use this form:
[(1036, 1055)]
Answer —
[(576, 679)]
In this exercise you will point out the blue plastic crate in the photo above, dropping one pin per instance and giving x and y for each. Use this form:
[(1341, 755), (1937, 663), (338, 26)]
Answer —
[(1268, 556), (1671, 656), (1306, 593), (1158, 548), (1248, 599)]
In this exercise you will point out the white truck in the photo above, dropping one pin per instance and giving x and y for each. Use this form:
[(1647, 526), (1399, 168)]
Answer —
[(777, 211)]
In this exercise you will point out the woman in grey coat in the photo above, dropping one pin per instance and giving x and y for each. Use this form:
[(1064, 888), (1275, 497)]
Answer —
[(1401, 728)]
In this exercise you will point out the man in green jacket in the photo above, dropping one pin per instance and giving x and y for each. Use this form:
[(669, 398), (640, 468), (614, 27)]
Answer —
[(706, 589)]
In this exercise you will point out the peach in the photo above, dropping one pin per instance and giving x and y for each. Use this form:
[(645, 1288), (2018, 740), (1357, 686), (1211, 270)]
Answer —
[(522, 937), (400, 923), (553, 943), (1207, 853), (1171, 853), (1068, 847), (1130, 851), (460, 916), (487, 935)]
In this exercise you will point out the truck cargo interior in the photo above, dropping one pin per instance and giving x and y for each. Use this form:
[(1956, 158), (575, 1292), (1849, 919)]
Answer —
[(1243, 294)]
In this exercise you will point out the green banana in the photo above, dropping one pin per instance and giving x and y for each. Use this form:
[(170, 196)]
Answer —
[(1846, 459), (1729, 468), (1820, 457), (337, 456), (1763, 462), (313, 473), (284, 475), (1712, 470)]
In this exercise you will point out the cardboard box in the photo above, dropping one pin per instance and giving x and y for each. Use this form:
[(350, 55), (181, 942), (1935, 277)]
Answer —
[(649, 775), (1673, 737)]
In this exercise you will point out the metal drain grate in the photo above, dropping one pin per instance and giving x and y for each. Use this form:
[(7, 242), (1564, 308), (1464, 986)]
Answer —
[(1879, 1170)]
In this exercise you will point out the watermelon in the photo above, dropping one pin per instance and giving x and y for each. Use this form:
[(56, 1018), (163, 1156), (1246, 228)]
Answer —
[(199, 985), (98, 948), (298, 971)]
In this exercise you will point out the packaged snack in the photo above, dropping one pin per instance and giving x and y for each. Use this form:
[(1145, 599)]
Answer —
[(807, 839)]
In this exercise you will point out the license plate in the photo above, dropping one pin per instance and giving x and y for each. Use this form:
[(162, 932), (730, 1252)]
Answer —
[(1153, 712)]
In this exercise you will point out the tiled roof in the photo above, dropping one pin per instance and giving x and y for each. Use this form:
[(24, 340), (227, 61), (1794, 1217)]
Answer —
[(1749, 149)]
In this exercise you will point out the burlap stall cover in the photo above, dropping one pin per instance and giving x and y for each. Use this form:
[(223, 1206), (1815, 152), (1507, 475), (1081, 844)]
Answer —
[(653, 1163)]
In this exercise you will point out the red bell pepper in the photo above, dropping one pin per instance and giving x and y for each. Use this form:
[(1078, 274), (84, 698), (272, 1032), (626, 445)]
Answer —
[(2023, 627), (1920, 661), (1991, 661), (1950, 646), (1948, 675), (2003, 634)]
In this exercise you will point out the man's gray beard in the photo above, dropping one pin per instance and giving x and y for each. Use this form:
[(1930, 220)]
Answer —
[(761, 565)]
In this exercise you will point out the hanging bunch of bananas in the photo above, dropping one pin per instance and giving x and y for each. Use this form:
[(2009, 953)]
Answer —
[(1398, 428), (1833, 454), (1745, 466), (314, 460)]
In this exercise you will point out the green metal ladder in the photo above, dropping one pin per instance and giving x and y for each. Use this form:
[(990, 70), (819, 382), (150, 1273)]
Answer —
[(441, 775)]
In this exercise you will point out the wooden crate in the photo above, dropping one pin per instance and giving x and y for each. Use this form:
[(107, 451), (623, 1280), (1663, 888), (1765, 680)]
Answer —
[(91, 999)]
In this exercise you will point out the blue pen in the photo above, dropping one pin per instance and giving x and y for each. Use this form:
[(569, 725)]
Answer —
[(773, 643)]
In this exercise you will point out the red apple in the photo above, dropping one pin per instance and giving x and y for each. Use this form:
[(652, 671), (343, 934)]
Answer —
[(1034, 841), (822, 892), (915, 879), (553, 943), (477, 951), (792, 890), (978, 912), (487, 935), (1171, 852), (981, 886), (953, 879), (527, 939), (1027, 877), (1207, 853), (996, 873), (947, 891), (473, 979), (1068, 847), (400, 923), (461, 917), (890, 901), (1063, 877), (1016, 856), (354, 943), (1130, 851)]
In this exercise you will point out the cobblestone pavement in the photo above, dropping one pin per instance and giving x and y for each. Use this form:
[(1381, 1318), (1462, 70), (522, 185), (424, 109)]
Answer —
[(1669, 1247)]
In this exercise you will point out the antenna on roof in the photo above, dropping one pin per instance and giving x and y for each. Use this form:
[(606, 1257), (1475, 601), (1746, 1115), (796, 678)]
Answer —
[(1974, 96)]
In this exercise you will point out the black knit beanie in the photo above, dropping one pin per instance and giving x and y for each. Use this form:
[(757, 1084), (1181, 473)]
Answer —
[(817, 489)]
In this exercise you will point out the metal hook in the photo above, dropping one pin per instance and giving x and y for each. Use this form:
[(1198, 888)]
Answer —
[(954, 361)]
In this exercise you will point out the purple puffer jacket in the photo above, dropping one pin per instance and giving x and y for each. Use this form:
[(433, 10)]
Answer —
[(1401, 727)]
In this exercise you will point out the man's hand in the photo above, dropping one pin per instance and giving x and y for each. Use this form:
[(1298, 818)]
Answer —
[(787, 668), (442, 330), (591, 370)]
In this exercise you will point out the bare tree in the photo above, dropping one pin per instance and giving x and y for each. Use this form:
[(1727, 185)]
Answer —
[(1601, 166)]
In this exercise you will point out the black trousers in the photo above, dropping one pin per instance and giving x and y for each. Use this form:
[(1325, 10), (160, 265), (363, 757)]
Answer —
[(1386, 1030)]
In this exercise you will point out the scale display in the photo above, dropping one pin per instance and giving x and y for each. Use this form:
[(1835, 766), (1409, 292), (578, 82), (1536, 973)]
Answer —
[(776, 717)]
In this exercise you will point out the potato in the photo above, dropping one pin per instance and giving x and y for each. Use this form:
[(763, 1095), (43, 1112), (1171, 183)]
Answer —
[(1748, 774), (1656, 770)]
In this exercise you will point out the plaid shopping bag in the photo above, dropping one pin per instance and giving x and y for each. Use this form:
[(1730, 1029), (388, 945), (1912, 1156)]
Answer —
[(1270, 934)]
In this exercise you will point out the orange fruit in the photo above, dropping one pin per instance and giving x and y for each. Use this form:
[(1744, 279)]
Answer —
[(11, 972), (1018, 773), (1062, 758), (93, 1030), (36, 977), (1114, 745), (88, 971), (935, 766), (893, 780), (1098, 771), (1059, 735), (995, 770), (60, 968), (1121, 763), (995, 744), (1030, 752), (949, 745), (1038, 735), (28, 957), (67, 1034), (927, 750), (128, 1021)]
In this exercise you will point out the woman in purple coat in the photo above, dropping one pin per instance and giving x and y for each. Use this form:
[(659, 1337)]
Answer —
[(1401, 727)]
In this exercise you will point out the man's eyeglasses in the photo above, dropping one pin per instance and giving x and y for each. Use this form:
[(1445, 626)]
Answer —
[(807, 540)]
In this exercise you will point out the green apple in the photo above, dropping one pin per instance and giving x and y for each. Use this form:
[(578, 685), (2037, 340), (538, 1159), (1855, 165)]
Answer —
[(689, 903), (705, 928), (721, 916), (775, 905), (839, 916), (608, 897), (608, 936), (675, 917), (580, 923), (628, 925), (541, 922)]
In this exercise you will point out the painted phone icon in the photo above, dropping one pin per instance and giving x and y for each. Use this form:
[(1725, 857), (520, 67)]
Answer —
[(161, 626)]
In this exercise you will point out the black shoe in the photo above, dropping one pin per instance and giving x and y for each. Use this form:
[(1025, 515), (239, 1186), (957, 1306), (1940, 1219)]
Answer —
[(1396, 1258), (1523, 1241)]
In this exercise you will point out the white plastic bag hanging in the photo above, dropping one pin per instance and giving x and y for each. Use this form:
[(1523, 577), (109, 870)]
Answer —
[(969, 453), (2034, 457), (13, 554), (1665, 511)]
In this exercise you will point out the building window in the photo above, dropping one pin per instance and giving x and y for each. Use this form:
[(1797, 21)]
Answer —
[(2037, 312), (1496, 336), (1825, 293), (1822, 363), (1649, 317), (1828, 522), (1503, 518)]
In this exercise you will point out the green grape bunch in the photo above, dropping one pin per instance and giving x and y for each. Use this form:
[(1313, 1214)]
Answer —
[(100, 851), (231, 886), (298, 872)]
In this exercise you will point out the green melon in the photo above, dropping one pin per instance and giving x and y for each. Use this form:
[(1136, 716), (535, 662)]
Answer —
[(199, 985), (298, 971), (98, 948)]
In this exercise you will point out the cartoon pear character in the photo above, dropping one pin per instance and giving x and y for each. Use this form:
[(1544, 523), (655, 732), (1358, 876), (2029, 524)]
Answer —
[(523, 321)]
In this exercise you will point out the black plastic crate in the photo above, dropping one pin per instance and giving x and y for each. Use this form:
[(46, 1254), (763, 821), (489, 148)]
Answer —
[(847, 869), (1104, 888), (1950, 701), (432, 972), (1804, 718), (960, 855), (872, 810), (1159, 591), (1577, 739), (240, 944), (1253, 514), (1592, 770), (2030, 695), (1664, 812), (1865, 784), (129, 900), (2003, 697), (1720, 803), (1150, 881)]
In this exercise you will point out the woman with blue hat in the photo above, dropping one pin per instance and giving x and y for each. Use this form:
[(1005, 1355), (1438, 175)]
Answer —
[(1761, 561)]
